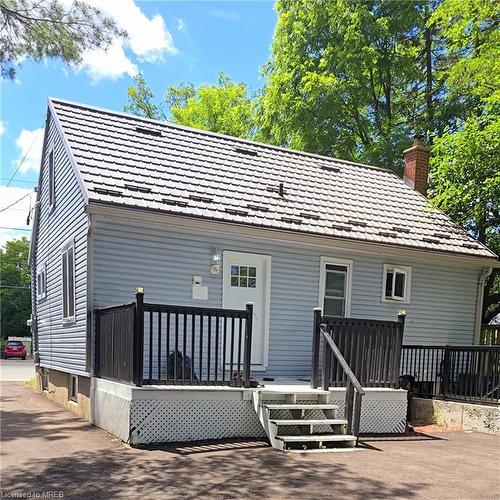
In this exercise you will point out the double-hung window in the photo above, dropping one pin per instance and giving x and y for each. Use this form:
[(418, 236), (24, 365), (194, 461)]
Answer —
[(396, 283), (41, 282), (68, 281), (335, 286)]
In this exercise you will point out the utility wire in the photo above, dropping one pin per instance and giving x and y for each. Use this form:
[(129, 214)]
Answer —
[(25, 156), (15, 228), (17, 201)]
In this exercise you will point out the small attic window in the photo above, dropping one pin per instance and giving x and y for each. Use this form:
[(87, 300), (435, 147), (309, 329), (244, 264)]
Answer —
[(280, 189), (140, 189), (148, 130), (246, 151)]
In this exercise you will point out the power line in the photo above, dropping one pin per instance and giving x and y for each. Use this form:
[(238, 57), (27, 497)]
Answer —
[(17, 287), (17, 201), (24, 157), (34, 183), (15, 228)]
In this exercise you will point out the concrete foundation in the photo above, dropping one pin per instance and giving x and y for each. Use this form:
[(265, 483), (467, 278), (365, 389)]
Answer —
[(461, 416), (57, 388)]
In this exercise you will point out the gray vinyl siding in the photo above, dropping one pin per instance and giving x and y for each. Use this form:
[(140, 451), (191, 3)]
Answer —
[(163, 260), (61, 346)]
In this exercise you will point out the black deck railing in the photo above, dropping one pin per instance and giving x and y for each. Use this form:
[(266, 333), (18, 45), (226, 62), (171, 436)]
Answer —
[(174, 345), (459, 373), (115, 353), (490, 335), (371, 348)]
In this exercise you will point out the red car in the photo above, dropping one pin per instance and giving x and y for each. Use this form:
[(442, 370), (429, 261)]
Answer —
[(14, 349)]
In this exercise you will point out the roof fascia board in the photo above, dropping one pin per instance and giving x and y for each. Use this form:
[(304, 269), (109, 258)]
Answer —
[(327, 242), (218, 135), (69, 152), (34, 231)]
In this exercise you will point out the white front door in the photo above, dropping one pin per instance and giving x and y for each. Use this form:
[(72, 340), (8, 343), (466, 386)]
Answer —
[(246, 278)]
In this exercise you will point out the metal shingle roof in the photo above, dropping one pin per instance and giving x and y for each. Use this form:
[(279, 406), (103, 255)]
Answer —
[(129, 161)]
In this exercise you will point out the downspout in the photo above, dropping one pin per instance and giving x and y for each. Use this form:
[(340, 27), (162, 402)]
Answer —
[(484, 274)]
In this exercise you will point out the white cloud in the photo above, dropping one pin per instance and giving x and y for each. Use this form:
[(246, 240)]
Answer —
[(148, 39), (2, 127), (181, 25), (30, 142), (15, 217), (112, 63)]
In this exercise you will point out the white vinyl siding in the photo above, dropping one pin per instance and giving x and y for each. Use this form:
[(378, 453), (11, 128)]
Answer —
[(61, 345), (164, 260)]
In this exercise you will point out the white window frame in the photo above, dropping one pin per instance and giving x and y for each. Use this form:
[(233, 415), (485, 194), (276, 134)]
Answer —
[(70, 318), (52, 180), (324, 261), (406, 271), (41, 273)]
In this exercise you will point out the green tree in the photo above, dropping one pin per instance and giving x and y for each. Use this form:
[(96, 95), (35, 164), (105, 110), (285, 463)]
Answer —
[(34, 29), (223, 107), (465, 173), (349, 78), (15, 298)]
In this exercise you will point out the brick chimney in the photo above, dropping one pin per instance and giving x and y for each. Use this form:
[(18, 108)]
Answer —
[(416, 166)]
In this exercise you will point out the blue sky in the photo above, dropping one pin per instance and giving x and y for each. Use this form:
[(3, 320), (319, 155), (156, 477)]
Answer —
[(170, 43)]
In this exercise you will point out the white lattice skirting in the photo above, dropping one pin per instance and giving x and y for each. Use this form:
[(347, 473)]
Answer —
[(147, 416)]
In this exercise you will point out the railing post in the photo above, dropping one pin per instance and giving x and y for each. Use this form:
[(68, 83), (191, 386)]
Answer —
[(248, 344), (349, 405), (399, 345), (446, 371), (139, 337), (315, 348)]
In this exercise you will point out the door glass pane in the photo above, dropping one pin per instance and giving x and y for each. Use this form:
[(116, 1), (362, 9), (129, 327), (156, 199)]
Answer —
[(399, 285), (251, 282), (334, 307), (252, 271), (243, 282), (234, 280), (234, 270), (243, 271), (335, 284)]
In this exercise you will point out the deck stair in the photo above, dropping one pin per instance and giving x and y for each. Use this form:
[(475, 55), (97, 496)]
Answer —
[(301, 420)]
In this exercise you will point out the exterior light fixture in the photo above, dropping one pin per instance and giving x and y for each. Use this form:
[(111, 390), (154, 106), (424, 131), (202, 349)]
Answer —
[(216, 262)]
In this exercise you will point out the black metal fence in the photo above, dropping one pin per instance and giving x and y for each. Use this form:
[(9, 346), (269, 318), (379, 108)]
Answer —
[(115, 354), (460, 373), (154, 344), (372, 349)]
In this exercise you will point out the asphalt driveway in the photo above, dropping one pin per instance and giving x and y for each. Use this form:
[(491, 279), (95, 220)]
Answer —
[(47, 449)]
